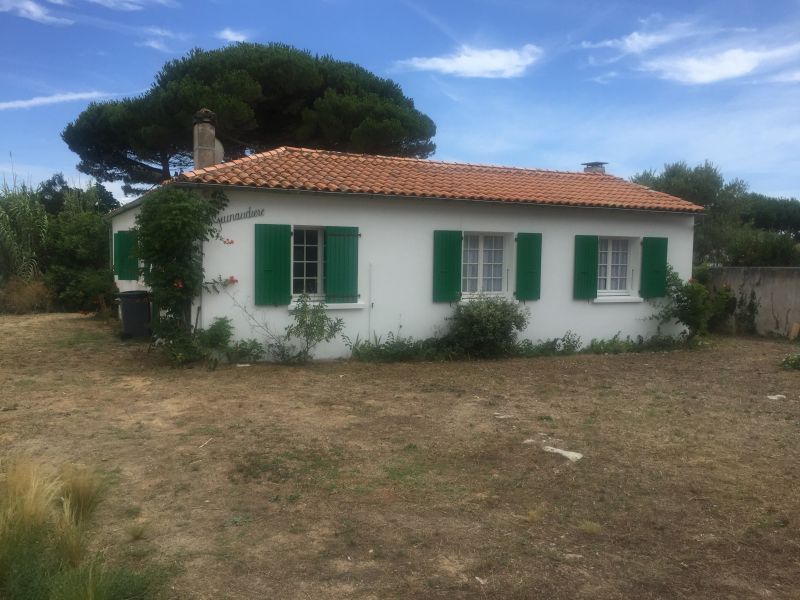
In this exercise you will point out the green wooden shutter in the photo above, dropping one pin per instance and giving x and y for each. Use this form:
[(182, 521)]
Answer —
[(341, 264), (273, 264), (529, 266), (654, 268), (585, 274), (126, 263), (446, 266)]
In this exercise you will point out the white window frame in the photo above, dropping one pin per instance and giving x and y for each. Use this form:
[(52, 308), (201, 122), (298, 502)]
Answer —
[(630, 273), (320, 293), (482, 235)]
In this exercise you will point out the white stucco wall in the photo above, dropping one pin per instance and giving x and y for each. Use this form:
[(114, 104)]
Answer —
[(124, 222), (395, 270)]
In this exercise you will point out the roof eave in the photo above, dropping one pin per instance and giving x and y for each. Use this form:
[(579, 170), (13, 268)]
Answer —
[(554, 203)]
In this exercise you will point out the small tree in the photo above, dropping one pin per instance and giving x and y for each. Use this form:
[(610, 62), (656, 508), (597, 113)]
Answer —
[(172, 225)]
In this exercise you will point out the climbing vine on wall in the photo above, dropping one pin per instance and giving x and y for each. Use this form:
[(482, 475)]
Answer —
[(171, 227)]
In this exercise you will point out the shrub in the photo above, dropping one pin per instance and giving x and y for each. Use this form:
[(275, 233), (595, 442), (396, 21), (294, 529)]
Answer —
[(791, 361), (81, 289), (76, 256), (21, 296), (686, 303), (249, 350), (396, 348), (310, 326), (723, 305), (486, 327), (569, 343)]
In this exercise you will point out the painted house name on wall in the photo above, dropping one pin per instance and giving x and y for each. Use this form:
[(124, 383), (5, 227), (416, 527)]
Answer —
[(238, 216)]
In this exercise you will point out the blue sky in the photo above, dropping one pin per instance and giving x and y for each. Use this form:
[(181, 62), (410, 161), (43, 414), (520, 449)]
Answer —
[(524, 83)]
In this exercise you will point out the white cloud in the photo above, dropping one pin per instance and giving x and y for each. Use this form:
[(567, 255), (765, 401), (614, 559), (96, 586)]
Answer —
[(639, 42), (605, 77), (231, 35), (155, 44), (28, 9), (786, 77), (53, 99), (718, 66), (129, 5), (475, 62)]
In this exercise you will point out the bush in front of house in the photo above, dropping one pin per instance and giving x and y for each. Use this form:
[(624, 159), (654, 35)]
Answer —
[(486, 327)]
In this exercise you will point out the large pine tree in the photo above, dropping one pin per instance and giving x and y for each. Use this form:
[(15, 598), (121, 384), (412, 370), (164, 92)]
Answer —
[(264, 96)]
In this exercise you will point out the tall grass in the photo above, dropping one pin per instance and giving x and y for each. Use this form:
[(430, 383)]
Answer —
[(43, 547)]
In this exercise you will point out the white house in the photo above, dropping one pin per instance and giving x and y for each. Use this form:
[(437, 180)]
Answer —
[(391, 244)]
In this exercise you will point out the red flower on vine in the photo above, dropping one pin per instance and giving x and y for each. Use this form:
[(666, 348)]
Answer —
[(227, 241), (178, 284), (232, 279)]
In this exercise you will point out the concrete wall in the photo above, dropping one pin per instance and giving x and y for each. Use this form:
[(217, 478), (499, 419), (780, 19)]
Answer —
[(395, 270), (777, 293)]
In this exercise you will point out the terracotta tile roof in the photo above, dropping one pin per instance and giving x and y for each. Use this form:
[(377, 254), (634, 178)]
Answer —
[(321, 170)]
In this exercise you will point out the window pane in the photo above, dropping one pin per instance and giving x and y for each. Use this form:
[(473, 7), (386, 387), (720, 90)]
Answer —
[(311, 270), (299, 236), (297, 269), (311, 253)]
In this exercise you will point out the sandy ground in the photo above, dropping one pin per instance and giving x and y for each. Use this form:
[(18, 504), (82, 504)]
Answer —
[(348, 480)]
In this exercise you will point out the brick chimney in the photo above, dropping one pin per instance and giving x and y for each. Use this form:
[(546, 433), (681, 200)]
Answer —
[(594, 167), (207, 148)]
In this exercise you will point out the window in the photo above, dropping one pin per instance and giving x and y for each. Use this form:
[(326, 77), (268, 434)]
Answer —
[(613, 267), (482, 263), (319, 261), (307, 261)]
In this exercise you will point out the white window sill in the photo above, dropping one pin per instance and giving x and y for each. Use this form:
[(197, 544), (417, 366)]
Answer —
[(618, 300), (469, 297), (336, 306)]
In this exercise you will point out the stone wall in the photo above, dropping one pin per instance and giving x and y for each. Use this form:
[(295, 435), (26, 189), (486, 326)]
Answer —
[(777, 292)]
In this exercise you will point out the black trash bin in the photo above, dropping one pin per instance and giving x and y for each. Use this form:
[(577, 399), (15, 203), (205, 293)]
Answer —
[(135, 309)]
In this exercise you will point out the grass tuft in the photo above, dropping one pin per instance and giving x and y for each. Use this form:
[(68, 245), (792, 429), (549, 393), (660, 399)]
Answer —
[(43, 549)]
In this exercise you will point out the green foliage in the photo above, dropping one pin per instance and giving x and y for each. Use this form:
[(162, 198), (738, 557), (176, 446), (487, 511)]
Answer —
[(171, 226), (723, 305), (310, 326), (688, 303), (76, 256), (791, 361), (569, 343), (739, 228), (264, 96), (23, 230), (486, 327), (396, 348), (244, 351), (53, 194), (696, 307), (217, 337), (43, 544), (656, 343)]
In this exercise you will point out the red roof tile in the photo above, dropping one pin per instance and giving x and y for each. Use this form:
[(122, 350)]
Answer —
[(322, 170)]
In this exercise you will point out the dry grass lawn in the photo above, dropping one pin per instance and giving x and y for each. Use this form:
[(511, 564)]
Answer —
[(347, 480)]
